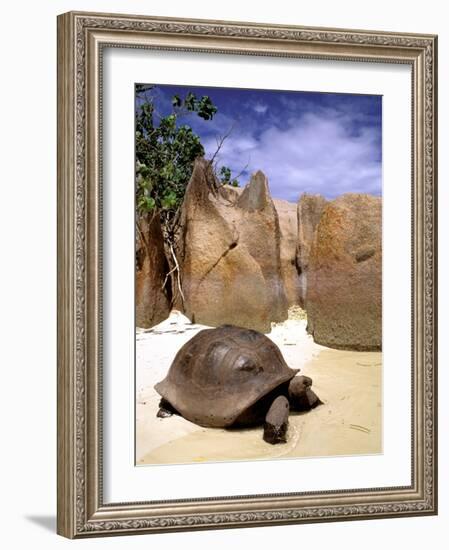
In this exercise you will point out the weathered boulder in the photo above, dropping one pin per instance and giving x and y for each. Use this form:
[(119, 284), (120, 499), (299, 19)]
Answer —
[(288, 223), (259, 230), (230, 194), (309, 210), (152, 301), (344, 274), (231, 253)]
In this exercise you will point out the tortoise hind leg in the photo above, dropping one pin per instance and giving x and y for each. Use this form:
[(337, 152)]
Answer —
[(276, 421), (165, 409)]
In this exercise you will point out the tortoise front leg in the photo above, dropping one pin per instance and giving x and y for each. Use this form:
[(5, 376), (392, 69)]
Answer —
[(165, 409), (276, 421), (300, 394)]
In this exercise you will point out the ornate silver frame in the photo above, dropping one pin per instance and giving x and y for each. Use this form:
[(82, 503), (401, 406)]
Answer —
[(81, 38)]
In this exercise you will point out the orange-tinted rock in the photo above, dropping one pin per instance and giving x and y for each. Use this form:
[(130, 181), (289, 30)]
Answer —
[(258, 225), (309, 210), (152, 301), (288, 224), (231, 272), (344, 275)]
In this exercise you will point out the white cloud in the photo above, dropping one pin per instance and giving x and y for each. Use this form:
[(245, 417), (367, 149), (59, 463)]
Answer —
[(260, 108), (316, 153)]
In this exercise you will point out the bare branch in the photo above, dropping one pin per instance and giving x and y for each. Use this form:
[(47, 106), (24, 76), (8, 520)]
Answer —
[(178, 272), (168, 276), (244, 168), (220, 142)]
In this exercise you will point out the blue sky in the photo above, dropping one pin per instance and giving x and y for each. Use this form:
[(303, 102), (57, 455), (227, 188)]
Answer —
[(303, 141)]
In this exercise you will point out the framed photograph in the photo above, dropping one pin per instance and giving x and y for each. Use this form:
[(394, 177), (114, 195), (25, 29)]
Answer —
[(247, 282)]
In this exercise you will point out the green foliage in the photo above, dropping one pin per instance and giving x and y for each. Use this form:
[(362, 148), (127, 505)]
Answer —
[(203, 107), (165, 152), (226, 177)]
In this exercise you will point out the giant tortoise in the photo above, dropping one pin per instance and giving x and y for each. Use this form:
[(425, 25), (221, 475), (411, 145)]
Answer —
[(234, 377)]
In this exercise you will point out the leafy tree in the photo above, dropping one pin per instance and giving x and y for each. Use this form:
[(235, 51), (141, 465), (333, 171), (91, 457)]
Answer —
[(165, 154), (226, 177)]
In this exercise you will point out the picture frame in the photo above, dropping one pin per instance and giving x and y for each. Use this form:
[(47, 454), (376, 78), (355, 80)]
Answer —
[(82, 40)]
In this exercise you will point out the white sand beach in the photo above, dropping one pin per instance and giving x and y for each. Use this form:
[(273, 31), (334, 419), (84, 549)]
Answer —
[(349, 383)]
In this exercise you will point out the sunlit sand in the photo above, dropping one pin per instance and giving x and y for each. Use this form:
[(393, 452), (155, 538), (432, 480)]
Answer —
[(348, 423)]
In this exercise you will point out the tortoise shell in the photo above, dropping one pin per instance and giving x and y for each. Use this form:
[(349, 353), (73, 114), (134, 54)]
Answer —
[(221, 372)]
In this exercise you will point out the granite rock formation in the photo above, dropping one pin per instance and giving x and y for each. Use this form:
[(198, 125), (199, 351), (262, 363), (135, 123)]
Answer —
[(231, 267), (309, 210), (152, 301), (344, 274), (245, 258), (288, 224)]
